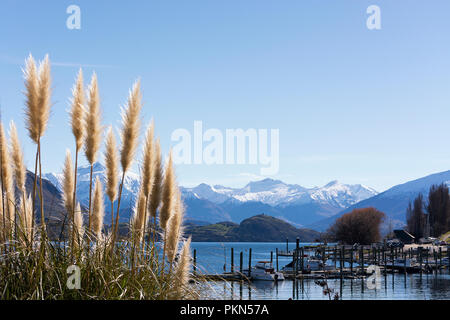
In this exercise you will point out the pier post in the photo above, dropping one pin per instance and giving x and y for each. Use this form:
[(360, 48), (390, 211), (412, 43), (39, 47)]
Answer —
[(404, 263), (392, 260), (276, 256), (232, 260), (361, 259), (448, 256), (302, 262), (440, 258), (249, 262), (287, 245), (294, 262), (341, 263), (351, 260), (435, 259), (195, 261), (271, 256), (335, 256), (419, 249), (297, 254), (241, 260)]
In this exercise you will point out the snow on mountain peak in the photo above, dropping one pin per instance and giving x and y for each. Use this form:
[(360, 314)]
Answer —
[(276, 192), (268, 191)]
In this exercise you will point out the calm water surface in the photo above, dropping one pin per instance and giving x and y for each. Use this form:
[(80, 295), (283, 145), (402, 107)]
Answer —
[(213, 257)]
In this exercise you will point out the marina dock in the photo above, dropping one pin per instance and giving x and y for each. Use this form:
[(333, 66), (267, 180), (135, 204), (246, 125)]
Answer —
[(341, 261)]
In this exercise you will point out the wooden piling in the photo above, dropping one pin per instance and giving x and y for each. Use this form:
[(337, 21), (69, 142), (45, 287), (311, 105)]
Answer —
[(335, 255), (302, 262), (249, 262), (232, 260), (195, 261), (351, 260), (419, 249), (297, 254), (404, 263), (361, 259), (294, 263), (241, 260), (271, 256), (276, 256), (448, 256), (435, 259)]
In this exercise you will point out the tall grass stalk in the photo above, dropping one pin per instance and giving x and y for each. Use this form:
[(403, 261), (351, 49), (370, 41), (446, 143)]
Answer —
[(39, 271), (93, 133), (129, 137), (77, 116)]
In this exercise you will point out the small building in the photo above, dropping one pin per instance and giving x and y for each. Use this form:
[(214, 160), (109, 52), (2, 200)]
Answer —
[(404, 236)]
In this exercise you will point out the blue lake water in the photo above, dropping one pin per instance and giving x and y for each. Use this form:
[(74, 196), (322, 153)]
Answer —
[(212, 257)]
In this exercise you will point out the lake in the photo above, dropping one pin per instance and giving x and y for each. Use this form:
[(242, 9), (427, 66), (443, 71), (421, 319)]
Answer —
[(213, 257)]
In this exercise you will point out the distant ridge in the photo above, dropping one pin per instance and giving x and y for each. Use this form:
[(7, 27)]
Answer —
[(394, 201), (293, 203), (259, 228)]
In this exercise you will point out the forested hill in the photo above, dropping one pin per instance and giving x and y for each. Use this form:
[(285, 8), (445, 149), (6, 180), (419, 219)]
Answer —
[(260, 228)]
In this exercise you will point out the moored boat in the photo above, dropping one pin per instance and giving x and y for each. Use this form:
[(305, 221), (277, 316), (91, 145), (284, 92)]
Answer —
[(263, 270)]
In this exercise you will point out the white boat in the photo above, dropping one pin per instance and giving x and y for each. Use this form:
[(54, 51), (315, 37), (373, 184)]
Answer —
[(263, 270), (309, 264), (409, 265), (401, 263)]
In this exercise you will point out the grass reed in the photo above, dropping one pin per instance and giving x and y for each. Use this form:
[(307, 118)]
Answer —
[(34, 266)]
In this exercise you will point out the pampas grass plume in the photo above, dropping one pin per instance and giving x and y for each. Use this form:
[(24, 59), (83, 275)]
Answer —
[(68, 182), (174, 228), (168, 193), (155, 197), (148, 160), (182, 270), (78, 225), (98, 210), (7, 179), (77, 112), (130, 127), (17, 157), (112, 164), (93, 129)]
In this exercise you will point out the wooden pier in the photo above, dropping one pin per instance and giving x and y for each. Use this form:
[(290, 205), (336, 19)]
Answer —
[(353, 261)]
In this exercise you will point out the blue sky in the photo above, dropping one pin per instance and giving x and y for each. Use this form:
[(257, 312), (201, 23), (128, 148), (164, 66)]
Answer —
[(352, 104)]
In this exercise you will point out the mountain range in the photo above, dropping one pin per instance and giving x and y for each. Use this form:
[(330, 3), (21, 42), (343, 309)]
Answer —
[(293, 203), (210, 204), (130, 189), (394, 201), (315, 208)]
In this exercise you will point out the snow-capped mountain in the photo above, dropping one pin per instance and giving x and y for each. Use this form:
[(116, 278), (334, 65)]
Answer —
[(278, 193), (130, 188), (291, 202), (394, 201), (315, 208)]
